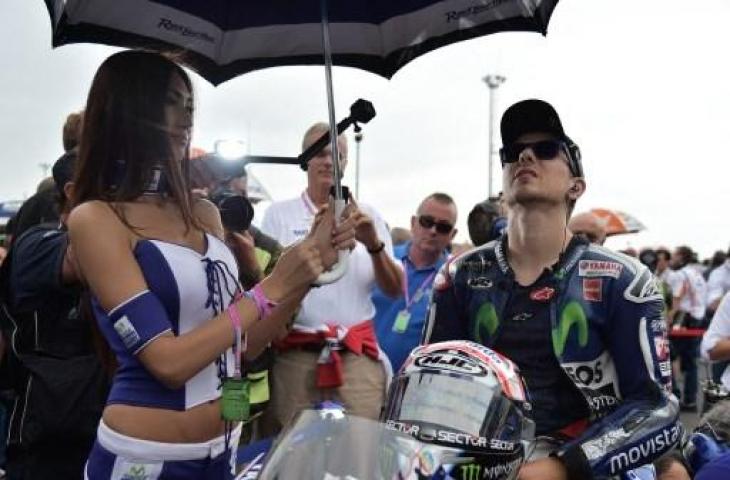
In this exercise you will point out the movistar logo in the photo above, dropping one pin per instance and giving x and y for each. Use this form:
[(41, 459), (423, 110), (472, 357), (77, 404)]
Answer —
[(572, 314), (136, 472), (487, 319), (471, 471)]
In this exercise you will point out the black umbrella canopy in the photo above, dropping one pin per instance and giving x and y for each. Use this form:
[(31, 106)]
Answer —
[(221, 39)]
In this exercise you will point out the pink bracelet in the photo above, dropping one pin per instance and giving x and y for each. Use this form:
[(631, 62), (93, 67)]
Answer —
[(235, 318), (263, 304)]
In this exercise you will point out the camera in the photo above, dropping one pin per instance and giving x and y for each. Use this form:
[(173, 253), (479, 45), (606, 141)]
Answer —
[(235, 209)]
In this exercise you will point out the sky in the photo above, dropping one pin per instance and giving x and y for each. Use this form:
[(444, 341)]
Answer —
[(641, 86)]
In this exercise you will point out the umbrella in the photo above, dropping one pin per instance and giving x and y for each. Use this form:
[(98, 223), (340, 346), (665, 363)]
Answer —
[(221, 39), (616, 222)]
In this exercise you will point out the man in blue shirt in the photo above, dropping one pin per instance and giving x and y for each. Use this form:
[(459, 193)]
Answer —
[(399, 320)]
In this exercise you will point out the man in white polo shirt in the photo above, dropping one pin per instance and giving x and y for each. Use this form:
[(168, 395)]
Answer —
[(689, 292), (331, 352)]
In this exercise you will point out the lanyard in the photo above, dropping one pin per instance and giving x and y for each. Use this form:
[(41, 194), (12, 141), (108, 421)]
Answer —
[(240, 338), (419, 291), (239, 348), (308, 203)]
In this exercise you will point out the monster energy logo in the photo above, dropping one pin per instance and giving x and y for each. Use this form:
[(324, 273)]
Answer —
[(572, 314), (486, 318), (471, 472)]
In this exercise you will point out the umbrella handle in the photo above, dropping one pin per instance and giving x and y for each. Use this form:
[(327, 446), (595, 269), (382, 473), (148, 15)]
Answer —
[(343, 256)]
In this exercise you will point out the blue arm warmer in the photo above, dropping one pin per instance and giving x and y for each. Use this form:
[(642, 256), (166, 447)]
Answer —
[(139, 320)]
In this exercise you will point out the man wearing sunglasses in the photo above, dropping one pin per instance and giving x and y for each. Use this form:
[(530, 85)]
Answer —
[(584, 325), (399, 319)]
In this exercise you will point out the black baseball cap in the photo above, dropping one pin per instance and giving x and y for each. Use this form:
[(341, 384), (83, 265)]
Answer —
[(535, 115), (530, 116)]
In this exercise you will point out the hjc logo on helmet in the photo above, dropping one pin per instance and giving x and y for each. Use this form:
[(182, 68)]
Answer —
[(450, 361)]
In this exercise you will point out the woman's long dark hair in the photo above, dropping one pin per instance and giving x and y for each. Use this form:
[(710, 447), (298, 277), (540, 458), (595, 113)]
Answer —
[(124, 136)]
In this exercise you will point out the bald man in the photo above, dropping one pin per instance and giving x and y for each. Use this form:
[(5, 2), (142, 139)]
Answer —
[(331, 352), (589, 226)]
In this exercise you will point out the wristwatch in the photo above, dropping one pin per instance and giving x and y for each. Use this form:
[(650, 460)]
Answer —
[(377, 249)]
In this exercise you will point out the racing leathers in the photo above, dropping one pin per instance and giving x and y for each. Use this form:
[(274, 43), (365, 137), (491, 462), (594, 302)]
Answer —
[(606, 331)]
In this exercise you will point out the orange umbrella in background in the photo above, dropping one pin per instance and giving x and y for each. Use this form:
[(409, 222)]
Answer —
[(616, 222)]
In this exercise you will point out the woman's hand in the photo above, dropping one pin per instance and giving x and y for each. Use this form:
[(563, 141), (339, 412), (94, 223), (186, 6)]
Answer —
[(331, 237), (298, 267)]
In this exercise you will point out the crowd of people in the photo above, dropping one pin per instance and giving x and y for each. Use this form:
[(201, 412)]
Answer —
[(149, 329)]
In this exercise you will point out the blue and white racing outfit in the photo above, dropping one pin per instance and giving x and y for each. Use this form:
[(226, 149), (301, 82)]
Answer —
[(605, 343), (185, 290)]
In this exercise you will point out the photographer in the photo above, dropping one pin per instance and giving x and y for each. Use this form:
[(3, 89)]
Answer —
[(255, 251), (226, 185)]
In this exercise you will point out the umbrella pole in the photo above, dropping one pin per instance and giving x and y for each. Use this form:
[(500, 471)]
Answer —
[(331, 99), (339, 269)]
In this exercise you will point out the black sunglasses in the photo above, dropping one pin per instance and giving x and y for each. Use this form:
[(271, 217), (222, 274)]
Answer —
[(543, 150), (427, 221)]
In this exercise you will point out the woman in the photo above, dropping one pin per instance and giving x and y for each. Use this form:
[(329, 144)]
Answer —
[(164, 285)]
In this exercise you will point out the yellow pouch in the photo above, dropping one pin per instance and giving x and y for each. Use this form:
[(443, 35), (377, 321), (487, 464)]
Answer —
[(258, 387)]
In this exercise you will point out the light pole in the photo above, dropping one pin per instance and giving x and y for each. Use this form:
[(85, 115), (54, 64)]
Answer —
[(493, 82)]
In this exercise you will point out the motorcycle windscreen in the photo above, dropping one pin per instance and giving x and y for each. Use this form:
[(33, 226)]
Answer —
[(466, 404), (318, 446)]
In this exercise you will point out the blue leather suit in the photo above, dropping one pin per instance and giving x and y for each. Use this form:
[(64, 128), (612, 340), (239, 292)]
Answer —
[(608, 334)]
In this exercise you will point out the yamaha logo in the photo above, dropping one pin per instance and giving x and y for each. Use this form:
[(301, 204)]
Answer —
[(451, 362)]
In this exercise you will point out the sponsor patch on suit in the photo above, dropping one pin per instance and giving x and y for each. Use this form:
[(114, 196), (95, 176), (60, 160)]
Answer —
[(599, 268), (592, 289)]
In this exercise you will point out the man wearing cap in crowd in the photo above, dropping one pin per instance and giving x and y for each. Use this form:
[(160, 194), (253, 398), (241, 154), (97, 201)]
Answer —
[(331, 353), (583, 324), (399, 319)]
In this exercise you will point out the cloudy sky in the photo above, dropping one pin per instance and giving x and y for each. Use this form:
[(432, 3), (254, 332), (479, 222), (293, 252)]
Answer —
[(642, 86)]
